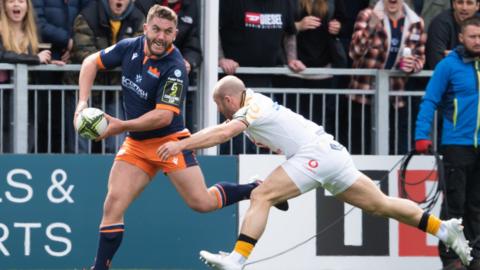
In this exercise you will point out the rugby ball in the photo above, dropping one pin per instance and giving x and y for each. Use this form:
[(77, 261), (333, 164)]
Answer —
[(91, 123)]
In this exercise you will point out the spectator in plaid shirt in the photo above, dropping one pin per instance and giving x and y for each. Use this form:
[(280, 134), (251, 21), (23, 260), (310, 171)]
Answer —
[(382, 36)]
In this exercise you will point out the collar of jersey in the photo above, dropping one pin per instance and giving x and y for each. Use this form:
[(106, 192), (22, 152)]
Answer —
[(154, 57)]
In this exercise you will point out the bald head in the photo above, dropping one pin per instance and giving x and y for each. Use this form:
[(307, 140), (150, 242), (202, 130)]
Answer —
[(229, 86)]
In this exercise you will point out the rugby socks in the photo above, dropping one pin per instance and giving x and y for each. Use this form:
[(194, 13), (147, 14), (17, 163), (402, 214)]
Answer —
[(230, 193), (108, 243), (243, 248), (433, 225)]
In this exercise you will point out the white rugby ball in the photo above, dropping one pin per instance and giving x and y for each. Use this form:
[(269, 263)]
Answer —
[(91, 123)]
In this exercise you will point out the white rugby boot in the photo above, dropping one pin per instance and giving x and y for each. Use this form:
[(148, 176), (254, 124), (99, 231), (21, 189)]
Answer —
[(219, 261), (456, 240)]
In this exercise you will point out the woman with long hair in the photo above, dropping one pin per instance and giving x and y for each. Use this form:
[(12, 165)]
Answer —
[(19, 44), (19, 40)]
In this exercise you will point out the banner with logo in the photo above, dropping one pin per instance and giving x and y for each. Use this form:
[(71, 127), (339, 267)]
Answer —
[(51, 206), (332, 235)]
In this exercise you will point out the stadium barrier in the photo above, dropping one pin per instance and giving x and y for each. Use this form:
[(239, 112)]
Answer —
[(321, 233), (51, 207), (34, 117)]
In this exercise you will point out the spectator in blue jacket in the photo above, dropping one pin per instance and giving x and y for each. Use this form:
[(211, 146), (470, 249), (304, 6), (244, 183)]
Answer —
[(54, 20), (55, 23), (454, 88)]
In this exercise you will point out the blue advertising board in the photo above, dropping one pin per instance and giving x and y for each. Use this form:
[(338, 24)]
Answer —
[(51, 206)]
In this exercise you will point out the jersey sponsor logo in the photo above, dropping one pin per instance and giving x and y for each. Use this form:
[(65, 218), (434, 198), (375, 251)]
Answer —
[(130, 85), (172, 92), (313, 164), (134, 55), (263, 21), (154, 72)]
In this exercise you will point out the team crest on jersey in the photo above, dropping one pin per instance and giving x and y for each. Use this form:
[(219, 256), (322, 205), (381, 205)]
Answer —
[(138, 78), (172, 92), (154, 72)]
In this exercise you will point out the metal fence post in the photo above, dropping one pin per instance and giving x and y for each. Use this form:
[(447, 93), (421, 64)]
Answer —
[(381, 118), (209, 69), (20, 109)]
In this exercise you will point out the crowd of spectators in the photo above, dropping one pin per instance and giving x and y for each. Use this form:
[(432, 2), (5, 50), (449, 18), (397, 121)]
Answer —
[(404, 35)]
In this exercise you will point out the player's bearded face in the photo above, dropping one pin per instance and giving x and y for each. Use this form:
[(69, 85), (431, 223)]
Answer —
[(160, 34)]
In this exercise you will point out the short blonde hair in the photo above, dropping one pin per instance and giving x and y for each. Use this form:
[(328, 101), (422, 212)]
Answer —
[(163, 13)]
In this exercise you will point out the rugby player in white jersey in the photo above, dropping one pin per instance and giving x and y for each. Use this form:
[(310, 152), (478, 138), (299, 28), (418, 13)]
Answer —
[(314, 159)]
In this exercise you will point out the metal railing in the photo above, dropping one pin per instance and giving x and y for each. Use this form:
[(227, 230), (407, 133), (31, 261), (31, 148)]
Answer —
[(385, 138), (17, 124)]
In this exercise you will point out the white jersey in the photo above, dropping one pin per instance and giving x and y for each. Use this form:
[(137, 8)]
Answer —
[(276, 127)]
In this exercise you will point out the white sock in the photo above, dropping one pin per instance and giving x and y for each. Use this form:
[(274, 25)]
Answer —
[(442, 233), (237, 257)]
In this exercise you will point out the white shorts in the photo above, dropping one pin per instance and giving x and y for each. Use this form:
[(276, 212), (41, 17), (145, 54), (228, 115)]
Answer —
[(323, 163)]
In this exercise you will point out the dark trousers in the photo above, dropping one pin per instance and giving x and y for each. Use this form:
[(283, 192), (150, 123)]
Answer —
[(357, 128), (462, 177), (356, 123)]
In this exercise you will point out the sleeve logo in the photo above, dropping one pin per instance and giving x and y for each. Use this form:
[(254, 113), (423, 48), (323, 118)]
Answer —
[(107, 50), (172, 92)]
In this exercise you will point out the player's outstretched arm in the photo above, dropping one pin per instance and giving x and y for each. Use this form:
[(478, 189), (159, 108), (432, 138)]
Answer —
[(204, 138)]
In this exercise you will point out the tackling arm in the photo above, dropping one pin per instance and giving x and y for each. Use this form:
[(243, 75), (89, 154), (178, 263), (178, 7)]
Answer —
[(205, 138), (212, 136)]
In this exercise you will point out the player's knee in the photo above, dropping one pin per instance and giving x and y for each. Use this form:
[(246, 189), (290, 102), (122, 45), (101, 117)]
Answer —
[(111, 201), (375, 208), (112, 209), (260, 196)]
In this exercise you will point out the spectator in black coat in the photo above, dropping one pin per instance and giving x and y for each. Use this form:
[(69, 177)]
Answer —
[(188, 36), (444, 30)]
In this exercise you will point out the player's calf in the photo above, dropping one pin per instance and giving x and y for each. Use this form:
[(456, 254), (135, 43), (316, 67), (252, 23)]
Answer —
[(229, 193)]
